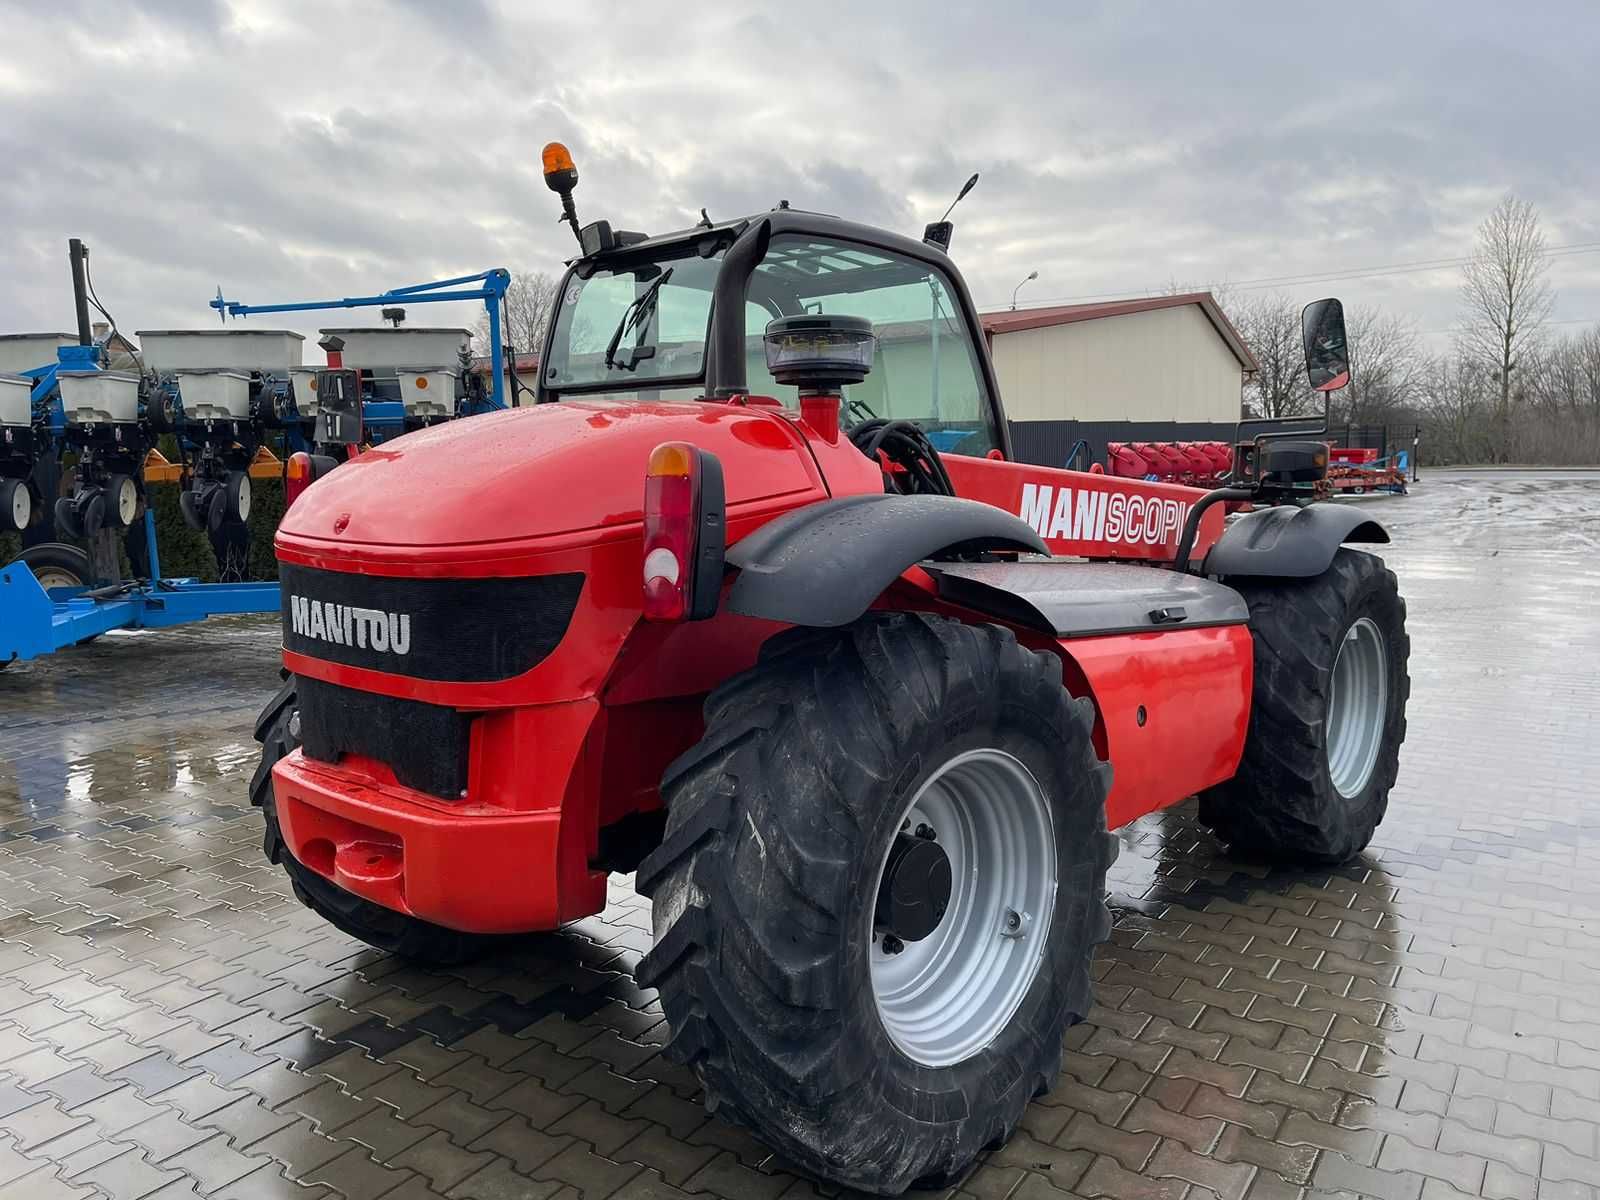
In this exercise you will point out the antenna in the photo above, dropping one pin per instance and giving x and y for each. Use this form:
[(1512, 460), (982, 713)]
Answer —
[(960, 196)]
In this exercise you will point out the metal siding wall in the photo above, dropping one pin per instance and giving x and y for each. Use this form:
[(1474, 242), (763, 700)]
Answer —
[(1168, 364)]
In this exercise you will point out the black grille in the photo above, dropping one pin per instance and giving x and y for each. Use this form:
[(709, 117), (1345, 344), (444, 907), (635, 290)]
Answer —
[(454, 630), (425, 745)]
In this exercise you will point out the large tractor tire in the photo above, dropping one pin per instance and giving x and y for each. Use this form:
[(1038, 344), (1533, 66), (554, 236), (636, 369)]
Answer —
[(1327, 717), (58, 565), (878, 894), (381, 928)]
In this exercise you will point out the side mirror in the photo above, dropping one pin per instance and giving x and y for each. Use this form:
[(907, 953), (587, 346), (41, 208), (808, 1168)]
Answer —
[(1327, 349)]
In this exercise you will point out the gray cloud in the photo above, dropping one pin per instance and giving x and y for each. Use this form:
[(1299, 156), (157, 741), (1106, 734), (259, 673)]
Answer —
[(293, 150)]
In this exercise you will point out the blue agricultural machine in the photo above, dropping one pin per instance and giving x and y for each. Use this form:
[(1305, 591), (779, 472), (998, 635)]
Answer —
[(240, 406)]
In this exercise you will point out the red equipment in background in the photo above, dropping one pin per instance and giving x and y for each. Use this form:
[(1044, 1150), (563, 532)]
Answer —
[(1193, 464), (1358, 470)]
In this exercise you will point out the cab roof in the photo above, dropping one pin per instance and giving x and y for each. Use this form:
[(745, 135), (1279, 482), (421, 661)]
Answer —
[(709, 238)]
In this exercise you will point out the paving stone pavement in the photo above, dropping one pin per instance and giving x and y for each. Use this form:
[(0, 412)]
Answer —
[(1420, 1024)]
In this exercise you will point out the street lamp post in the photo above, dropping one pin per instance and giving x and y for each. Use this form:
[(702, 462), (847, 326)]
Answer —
[(1032, 275)]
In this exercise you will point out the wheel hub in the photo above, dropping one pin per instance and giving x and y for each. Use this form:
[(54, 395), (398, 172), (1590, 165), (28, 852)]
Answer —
[(915, 891), (963, 904)]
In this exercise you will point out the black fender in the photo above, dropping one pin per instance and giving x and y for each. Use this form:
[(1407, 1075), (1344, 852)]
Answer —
[(1288, 542), (824, 564)]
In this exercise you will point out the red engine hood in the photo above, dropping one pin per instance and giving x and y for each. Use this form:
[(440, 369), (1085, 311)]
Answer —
[(537, 472)]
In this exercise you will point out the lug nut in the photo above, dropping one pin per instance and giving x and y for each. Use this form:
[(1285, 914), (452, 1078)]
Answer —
[(892, 944), (926, 833)]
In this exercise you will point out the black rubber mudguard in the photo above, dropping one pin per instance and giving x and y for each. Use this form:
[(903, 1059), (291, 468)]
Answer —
[(1288, 542), (824, 565)]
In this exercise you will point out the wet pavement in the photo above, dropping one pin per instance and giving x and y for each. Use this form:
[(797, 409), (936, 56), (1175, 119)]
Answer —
[(1422, 1023)]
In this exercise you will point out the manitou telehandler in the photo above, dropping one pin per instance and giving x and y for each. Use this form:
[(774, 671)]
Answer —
[(757, 602)]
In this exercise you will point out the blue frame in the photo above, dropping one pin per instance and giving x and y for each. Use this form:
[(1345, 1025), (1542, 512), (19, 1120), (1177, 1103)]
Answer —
[(35, 622), (492, 292)]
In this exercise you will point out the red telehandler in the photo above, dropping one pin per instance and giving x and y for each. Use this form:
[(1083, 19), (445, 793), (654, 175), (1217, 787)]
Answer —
[(755, 602)]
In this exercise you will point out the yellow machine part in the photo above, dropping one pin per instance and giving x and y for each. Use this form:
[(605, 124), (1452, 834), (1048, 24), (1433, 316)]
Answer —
[(159, 469)]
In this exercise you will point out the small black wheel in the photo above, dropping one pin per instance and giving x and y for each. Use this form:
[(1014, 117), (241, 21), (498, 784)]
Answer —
[(1327, 717), (16, 504), (92, 510), (57, 565), (122, 501), (163, 412), (878, 894), (189, 506), (67, 518), (215, 501), (383, 929), (238, 491)]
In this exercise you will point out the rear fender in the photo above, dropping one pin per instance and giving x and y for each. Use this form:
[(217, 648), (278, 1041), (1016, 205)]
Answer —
[(824, 564), (1288, 542)]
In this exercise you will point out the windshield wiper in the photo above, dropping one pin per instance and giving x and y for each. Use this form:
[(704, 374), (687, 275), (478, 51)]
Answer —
[(637, 317)]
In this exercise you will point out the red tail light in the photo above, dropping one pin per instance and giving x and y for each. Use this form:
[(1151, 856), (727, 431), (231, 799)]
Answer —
[(684, 539), (296, 476), (301, 471)]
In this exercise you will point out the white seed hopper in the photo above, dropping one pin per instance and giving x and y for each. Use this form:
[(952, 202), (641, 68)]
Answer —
[(16, 406), (272, 351), (25, 351), (214, 395), (99, 397), (428, 393), (380, 348)]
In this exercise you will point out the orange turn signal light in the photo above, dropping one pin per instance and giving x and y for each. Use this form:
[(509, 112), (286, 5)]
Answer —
[(671, 459), (557, 158)]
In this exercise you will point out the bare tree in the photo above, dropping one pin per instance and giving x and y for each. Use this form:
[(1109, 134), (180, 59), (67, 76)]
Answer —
[(1270, 326), (1559, 400), (529, 304), (1387, 368), (1458, 409), (1507, 299)]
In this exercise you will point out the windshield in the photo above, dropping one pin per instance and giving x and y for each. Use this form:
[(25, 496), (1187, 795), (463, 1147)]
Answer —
[(926, 368), (653, 326), (662, 339)]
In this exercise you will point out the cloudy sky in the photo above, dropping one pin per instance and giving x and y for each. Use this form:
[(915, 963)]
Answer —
[(290, 150)]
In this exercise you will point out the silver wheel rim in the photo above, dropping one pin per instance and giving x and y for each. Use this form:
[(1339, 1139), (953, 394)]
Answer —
[(944, 998), (56, 577), (244, 498), (1358, 703), (127, 501), (21, 506)]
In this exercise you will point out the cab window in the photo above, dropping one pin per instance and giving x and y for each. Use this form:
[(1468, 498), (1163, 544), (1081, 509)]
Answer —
[(926, 368)]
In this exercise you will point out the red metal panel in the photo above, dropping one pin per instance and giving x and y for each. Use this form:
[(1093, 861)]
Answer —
[(530, 473), (1079, 513), (1193, 688), (511, 856)]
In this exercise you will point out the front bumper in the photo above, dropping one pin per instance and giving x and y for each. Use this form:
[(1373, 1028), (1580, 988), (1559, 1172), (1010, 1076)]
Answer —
[(511, 857)]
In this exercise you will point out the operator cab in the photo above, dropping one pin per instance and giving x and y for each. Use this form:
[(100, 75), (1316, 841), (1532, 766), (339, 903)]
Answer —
[(684, 316)]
